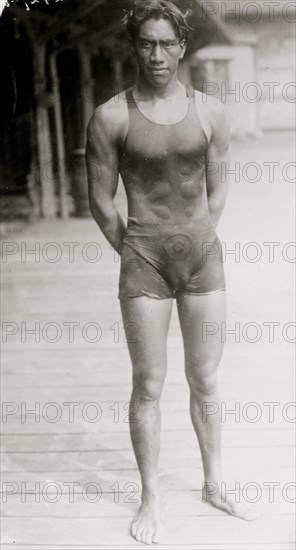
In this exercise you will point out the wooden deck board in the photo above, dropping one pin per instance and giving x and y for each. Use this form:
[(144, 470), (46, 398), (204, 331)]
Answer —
[(106, 531), (170, 478), (117, 504), (95, 441), (182, 546), (244, 392), (170, 457)]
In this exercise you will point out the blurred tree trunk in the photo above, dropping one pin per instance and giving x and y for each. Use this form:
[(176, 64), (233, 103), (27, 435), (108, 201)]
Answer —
[(86, 91), (59, 131), (45, 160)]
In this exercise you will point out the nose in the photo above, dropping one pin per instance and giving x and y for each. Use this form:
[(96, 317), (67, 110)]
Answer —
[(157, 54)]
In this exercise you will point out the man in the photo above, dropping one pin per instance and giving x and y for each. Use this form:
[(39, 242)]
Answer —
[(169, 145)]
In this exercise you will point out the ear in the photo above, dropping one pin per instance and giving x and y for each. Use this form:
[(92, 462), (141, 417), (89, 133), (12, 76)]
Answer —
[(183, 45)]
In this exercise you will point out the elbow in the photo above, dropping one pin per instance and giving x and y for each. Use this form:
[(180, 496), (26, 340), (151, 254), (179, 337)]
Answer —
[(102, 213), (216, 203), (95, 210), (92, 206)]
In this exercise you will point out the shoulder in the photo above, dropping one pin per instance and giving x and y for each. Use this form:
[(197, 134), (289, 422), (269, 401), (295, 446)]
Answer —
[(109, 119), (213, 112), (212, 105)]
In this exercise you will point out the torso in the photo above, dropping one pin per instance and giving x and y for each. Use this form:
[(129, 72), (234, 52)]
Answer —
[(162, 162)]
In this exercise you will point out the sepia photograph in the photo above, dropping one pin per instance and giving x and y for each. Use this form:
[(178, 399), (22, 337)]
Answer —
[(148, 251)]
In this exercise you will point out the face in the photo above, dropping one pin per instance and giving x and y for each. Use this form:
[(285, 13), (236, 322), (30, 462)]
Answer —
[(158, 51)]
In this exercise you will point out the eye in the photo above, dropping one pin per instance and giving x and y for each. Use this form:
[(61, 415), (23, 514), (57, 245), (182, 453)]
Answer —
[(145, 44)]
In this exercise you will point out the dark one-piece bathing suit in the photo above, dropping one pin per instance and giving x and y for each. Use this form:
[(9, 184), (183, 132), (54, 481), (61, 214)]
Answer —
[(163, 259)]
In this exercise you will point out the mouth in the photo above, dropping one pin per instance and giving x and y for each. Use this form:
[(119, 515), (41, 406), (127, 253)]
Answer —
[(159, 71)]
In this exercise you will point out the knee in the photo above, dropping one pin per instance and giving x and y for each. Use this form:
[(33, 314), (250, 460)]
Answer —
[(202, 381), (148, 388)]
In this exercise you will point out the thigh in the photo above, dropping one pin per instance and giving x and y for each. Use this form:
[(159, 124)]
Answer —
[(200, 320), (149, 320), (139, 275)]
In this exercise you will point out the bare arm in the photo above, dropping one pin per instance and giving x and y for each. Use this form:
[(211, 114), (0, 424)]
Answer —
[(217, 160), (102, 169)]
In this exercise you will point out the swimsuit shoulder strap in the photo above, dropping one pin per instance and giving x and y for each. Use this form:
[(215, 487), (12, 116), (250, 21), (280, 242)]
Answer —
[(190, 91), (129, 98), (199, 108), (196, 106)]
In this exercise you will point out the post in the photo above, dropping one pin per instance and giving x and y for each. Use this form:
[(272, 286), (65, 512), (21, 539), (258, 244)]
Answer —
[(79, 177), (47, 183), (118, 75), (59, 131), (86, 90)]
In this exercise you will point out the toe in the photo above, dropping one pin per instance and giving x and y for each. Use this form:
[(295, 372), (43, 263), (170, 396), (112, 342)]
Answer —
[(145, 536), (133, 528), (142, 537), (148, 537), (137, 536), (156, 537)]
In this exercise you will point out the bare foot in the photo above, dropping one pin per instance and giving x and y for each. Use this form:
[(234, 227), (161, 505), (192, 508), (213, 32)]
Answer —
[(145, 525), (226, 503)]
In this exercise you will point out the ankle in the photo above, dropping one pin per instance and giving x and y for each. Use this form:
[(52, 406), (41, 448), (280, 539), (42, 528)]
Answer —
[(212, 485), (150, 496), (213, 475)]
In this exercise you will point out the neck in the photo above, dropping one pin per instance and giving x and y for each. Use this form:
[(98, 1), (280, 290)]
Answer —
[(170, 89)]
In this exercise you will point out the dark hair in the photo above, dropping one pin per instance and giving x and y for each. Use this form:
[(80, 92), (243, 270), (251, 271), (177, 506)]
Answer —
[(143, 10)]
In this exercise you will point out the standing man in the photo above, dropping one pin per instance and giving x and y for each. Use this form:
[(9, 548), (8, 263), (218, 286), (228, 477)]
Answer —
[(169, 144)]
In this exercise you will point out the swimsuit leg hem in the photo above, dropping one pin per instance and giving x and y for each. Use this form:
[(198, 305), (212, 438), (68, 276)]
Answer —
[(147, 295), (203, 293), (155, 297)]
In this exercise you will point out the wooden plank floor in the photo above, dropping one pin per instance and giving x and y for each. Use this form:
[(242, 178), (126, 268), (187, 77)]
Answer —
[(81, 463)]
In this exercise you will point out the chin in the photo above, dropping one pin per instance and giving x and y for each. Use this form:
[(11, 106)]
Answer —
[(158, 82)]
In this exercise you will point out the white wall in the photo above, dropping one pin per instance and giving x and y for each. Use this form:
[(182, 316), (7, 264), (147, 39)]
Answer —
[(261, 71), (238, 93)]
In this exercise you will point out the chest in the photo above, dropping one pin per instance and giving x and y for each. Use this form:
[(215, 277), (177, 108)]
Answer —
[(147, 142)]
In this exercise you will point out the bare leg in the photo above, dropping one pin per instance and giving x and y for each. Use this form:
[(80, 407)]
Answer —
[(148, 354), (202, 356)]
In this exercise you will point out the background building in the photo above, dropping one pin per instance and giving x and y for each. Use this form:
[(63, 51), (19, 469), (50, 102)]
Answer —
[(249, 64)]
